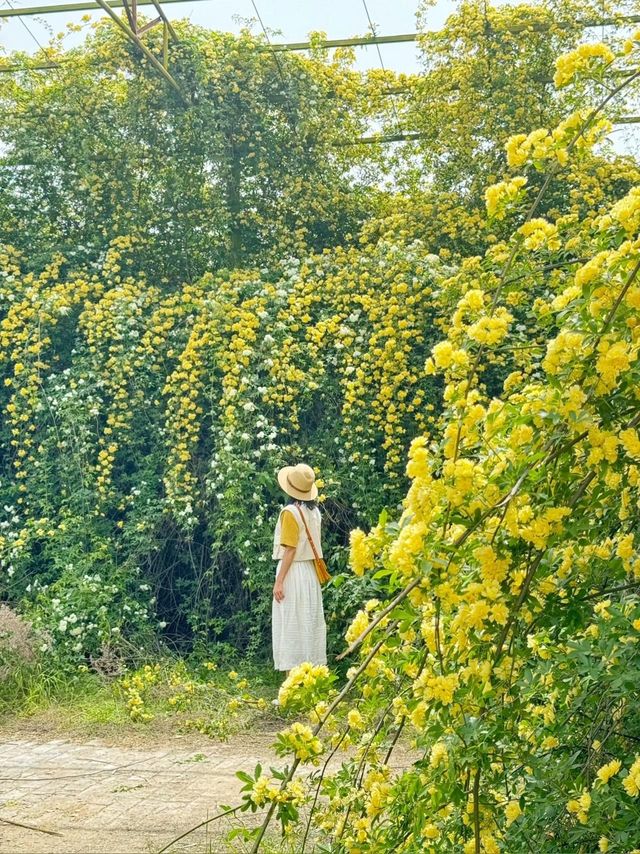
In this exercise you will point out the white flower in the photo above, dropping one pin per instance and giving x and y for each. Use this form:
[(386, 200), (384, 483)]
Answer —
[(62, 626)]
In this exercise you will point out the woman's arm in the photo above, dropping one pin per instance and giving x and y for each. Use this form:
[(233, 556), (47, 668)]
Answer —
[(285, 565)]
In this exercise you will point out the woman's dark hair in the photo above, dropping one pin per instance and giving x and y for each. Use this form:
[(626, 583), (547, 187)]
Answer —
[(310, 504)]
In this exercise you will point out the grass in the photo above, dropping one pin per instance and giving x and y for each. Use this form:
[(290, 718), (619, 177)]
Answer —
[(178, 698)]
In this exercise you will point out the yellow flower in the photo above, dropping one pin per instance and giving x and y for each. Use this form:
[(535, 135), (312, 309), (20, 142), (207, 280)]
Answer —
[(614, 359), (625, 547), (361, 555), (606, 772), (539, 233), (263, 791), (357, 627), (303, 676), (631, 782), (512, 812), (498, 196), (430, 831), (630, 441), (299, 738), (580, 807), (434, 687), (355, 720), (439, 755)]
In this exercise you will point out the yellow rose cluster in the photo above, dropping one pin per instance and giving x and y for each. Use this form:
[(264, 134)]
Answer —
[(305, 680), (542, 145), (498, 197), (300, 740), (265, 791), (585, 58)]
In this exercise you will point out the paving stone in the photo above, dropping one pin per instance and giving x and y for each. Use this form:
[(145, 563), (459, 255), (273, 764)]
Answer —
[(107, 800), (104, 799)]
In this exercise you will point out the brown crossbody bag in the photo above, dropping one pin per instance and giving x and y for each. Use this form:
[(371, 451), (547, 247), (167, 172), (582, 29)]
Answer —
[(318, 562)]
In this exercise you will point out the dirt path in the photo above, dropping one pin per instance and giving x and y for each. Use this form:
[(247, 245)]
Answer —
[(120, 800)]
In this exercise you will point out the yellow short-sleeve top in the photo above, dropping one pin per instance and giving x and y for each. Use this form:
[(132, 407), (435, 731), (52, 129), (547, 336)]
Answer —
[(289, 530)]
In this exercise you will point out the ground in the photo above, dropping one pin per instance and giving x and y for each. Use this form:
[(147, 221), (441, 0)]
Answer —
[(118, 793), (101, 797)]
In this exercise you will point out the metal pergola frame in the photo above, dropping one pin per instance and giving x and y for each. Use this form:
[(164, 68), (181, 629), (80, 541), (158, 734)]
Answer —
[(134, 32)]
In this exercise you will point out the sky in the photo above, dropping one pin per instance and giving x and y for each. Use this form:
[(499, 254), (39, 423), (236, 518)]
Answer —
[(294, 19)]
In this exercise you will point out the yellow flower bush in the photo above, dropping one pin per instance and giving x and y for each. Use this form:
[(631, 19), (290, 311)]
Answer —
[(511, 572)]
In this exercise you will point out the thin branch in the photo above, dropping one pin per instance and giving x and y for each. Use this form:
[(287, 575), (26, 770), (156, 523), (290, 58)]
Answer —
[(322, 773), (607, 591), (30, 827), (476, 811), (198, 826), (399, 598)]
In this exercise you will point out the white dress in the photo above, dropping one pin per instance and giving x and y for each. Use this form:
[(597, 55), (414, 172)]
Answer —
[(299, 632)]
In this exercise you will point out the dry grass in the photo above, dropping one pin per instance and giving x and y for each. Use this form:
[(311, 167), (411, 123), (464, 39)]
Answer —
[(17, 642)]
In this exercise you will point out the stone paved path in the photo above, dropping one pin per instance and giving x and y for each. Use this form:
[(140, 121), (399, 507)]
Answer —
[(117, 800)]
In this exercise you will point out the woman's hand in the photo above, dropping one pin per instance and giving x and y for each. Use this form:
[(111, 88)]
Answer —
[(285, 566), (278, 591)]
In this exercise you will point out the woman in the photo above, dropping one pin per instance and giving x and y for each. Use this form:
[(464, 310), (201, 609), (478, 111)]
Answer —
[(299, 632)]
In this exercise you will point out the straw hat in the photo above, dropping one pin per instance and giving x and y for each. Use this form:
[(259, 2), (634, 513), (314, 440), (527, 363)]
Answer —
[(298, 482)]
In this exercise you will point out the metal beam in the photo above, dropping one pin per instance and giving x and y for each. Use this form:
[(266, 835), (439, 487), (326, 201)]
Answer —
[(84, 6), (145, 50), (167, 22), (277, 47), (352, 42), (383, 139)]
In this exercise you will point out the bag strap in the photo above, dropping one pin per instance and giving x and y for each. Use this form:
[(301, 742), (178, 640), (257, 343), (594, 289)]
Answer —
[(309, 537)]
